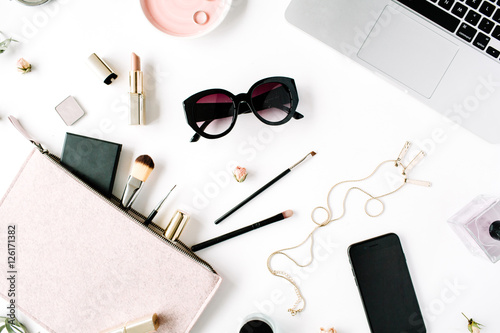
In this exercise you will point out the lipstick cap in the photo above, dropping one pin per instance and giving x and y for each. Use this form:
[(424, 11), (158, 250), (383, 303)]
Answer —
[(103, 71), (176, 225), (146, 324)]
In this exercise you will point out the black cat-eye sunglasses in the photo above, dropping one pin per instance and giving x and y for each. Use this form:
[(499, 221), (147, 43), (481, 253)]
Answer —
[(212, 113)]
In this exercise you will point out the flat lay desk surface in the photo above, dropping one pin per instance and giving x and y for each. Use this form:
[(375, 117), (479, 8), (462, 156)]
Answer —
[(353, 120)]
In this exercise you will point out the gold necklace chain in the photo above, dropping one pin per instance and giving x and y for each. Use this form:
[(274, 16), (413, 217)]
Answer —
[(397, 163)]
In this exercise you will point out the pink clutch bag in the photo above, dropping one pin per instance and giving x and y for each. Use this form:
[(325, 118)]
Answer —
[(84, 265)]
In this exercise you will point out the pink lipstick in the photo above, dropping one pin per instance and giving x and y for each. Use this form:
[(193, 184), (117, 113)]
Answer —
[(137, 98)]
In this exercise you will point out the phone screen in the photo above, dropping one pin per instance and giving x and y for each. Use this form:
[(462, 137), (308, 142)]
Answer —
[(379, 267)]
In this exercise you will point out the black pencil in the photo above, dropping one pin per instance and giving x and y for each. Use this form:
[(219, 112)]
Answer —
[(262, 189), (263, 223)]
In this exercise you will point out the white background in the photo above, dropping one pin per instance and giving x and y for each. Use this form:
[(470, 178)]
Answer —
[(353, 120)]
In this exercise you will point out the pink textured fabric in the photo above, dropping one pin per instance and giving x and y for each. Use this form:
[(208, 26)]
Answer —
[(85, 266)]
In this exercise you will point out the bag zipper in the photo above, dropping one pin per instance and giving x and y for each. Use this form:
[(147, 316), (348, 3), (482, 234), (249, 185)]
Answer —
[(178, 246)]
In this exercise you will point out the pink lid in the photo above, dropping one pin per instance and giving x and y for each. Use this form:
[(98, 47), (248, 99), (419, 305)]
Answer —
[(185, 18)]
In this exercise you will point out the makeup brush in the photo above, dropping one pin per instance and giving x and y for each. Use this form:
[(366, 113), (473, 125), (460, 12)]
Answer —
[(263, 188), (155, 211), (278, 217), (141, 170)]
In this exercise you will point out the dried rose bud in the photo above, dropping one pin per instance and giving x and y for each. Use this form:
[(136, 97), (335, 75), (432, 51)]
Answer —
[(240, 174), (23, 66), (330, 330), (473, 326)]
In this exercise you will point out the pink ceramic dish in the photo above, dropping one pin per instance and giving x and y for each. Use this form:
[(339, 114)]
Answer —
[(185, 18)]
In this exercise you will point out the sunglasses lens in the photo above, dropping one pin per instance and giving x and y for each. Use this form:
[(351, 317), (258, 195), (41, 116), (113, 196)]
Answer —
[(214, 113), (272, 101)]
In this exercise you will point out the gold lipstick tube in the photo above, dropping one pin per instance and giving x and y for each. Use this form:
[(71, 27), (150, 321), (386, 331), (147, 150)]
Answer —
[(137, 99)]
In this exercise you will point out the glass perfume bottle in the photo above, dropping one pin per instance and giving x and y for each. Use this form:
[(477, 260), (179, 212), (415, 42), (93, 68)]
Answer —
[(478, 226)]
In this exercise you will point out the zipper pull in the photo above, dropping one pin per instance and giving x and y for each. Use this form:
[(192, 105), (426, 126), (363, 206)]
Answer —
[(21, 130)]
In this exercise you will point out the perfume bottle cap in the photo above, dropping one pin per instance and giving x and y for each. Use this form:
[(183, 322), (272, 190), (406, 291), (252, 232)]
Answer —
[(103, 71), (176, 225), (495, 230)]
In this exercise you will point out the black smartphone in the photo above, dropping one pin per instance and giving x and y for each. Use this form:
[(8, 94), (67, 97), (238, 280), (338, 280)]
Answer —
[(384, 283)]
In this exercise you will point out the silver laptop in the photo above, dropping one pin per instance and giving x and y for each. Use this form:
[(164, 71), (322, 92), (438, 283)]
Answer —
[(444, 52)]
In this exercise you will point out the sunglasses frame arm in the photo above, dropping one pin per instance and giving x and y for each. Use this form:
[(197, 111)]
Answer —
[(195, 137), (297, 115)]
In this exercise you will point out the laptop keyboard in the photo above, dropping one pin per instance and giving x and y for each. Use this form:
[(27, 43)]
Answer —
[(475, 21)]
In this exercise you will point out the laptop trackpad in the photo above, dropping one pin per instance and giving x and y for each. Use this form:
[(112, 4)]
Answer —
[(408, 52)]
